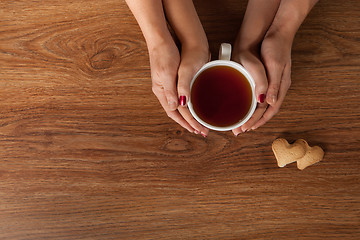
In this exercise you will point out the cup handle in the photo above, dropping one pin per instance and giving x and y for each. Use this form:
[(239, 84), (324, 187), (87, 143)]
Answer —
[(225, 51)]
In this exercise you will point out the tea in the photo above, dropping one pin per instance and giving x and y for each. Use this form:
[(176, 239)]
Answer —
[(221, 96)]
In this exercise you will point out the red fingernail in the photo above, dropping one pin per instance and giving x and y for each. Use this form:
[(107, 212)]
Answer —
[(203, 135), (262, 98), (182, 100)]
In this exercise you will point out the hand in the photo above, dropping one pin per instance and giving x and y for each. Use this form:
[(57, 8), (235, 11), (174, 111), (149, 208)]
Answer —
[(192, 59), (276, 57), (251, 61), (272, 76), (166, 69)]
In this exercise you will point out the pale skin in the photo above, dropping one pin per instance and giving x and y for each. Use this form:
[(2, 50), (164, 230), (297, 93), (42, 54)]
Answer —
[(263, 47), (171, 70)]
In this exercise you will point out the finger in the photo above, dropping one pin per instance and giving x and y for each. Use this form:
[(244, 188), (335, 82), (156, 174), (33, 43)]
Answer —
[(237, 131), (175, 115), (260, 109), (170, 92), (274, 73), (185, 113), (184, 80), (185, 75), (187, 71), (273, 110), (257, 71)]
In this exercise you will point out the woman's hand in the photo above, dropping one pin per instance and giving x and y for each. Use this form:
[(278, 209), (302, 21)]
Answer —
[(251, 61), (263, 47), (172, 74), (272, 75), (276, 57), (171, 77), (192, 59)]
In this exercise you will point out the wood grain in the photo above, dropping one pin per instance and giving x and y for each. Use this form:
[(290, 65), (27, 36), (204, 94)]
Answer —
[(86, 152)]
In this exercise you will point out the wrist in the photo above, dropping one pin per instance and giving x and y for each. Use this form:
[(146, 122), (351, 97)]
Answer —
[(158, 39), (290, 16), (243, 45), (195, 45), (287, 25), (284, 33)]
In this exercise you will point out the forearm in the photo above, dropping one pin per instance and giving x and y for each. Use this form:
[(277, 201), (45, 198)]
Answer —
[(150, 16), (289, 17), (258, 18), (186, 24)]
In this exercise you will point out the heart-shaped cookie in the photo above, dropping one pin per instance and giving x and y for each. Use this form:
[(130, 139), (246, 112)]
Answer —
[(312, 155), (286, 153), (299, 151)]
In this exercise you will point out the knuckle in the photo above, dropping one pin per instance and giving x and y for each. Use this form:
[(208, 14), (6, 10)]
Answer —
[(156, 90), (170, 94), (170, 114), (274, 87)]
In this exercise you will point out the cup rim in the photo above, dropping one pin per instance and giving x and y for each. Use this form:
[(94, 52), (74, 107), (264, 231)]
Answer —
[(247, 75)]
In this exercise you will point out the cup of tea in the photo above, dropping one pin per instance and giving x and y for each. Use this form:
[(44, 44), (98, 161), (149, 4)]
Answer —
[(222, 93)]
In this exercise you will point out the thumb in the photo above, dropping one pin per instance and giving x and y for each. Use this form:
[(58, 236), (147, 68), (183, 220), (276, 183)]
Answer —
[(257, 71), (169, 85), (184, 80)]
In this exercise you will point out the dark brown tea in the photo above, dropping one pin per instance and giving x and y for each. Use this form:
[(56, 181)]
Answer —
[(221, 96)]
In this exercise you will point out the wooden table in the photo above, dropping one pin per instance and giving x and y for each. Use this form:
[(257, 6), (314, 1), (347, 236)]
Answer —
[(86, 151)]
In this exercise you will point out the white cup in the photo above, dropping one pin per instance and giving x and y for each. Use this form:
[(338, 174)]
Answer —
[(224, 60)]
